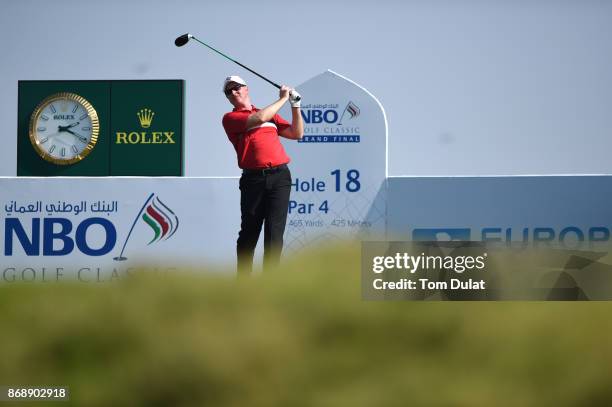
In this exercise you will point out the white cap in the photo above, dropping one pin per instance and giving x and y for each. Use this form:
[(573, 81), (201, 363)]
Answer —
[(233, 78)]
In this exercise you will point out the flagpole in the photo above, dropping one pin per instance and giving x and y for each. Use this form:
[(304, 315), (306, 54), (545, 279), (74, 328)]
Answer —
[(120, 257), (341, 117)]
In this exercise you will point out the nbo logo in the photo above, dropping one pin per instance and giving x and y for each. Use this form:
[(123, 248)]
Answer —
[(31, 244), (316, 116)]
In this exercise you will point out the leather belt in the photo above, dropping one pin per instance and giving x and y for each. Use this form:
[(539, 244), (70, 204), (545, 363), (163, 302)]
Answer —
[(264, 171)]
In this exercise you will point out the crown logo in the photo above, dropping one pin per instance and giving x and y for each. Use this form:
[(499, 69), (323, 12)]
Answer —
[(145, 116), (63, 107)]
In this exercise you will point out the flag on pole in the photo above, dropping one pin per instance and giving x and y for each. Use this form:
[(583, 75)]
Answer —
[(160, 219), (352, 109)]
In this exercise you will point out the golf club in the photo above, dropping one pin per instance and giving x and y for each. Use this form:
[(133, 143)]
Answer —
[(184, 39)]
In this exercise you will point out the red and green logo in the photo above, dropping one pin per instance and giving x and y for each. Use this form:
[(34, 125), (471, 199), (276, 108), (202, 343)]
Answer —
[(159, 217)]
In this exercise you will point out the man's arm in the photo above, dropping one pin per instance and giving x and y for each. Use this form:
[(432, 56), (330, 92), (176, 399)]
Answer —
[(267, 113), (296, 131)]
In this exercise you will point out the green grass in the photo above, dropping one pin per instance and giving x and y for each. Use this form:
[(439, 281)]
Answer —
[(300, 336)]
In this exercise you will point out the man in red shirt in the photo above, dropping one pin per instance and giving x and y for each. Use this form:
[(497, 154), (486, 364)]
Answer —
[(265, 183)]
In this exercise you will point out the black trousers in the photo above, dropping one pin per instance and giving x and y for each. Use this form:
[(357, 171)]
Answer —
[(264, 199)]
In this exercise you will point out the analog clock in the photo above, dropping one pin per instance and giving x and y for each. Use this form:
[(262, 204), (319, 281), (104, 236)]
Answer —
[(64, 128)]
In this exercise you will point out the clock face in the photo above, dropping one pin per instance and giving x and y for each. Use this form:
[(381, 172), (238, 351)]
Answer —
[(64, 128)]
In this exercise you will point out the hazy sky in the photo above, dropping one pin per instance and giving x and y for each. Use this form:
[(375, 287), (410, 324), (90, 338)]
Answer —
[(469, 87)]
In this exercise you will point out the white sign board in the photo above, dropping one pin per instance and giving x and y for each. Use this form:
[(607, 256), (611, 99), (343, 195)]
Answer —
[(340, 165), (97, 227), (573, 212)]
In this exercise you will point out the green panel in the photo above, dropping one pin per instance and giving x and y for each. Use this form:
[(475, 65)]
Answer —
[(148, 151), (31, 93)]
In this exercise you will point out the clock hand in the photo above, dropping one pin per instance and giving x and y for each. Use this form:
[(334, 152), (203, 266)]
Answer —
[(65, 128), (83, 139)]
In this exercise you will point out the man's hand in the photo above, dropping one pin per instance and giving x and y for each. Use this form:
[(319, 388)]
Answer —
[(294, 98), (267, 113), (284, 92)]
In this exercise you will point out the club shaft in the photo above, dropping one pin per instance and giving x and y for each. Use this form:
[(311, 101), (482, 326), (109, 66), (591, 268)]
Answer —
[(233, 60)]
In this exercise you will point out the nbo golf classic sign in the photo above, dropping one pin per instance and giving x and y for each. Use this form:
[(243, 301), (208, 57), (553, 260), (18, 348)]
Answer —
[(64, 230)]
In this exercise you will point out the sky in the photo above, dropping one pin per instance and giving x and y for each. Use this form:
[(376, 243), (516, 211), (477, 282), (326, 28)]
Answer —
[(470, 87)]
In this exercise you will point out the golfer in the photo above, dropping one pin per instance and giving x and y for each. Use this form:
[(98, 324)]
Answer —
[(265, 183)]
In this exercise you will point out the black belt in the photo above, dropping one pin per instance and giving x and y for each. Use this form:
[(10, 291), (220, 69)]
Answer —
[(264, 171)]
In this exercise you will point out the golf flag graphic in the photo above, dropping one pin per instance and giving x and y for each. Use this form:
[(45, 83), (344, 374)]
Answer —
[(159, 217), (352, 110)]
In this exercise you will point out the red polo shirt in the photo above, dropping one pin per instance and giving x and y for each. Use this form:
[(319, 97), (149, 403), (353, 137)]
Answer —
[(257, 147)]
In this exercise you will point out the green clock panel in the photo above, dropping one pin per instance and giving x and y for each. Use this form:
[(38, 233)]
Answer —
[(140, 128)]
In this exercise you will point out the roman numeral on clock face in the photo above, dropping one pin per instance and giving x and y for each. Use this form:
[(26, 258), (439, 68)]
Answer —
[(75, 108), (52, 108), (83, 117), (52, 148), (75, 149)]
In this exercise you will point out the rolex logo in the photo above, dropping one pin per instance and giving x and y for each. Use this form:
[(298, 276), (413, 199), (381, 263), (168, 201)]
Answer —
[(145, 116)]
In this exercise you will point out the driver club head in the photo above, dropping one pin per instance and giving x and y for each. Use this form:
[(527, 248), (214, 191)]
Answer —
[(182, 40)]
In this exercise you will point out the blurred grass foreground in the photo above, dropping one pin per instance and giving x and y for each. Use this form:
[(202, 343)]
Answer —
[(301, 336)]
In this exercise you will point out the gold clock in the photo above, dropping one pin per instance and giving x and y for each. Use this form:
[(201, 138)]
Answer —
[(64, 128)]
